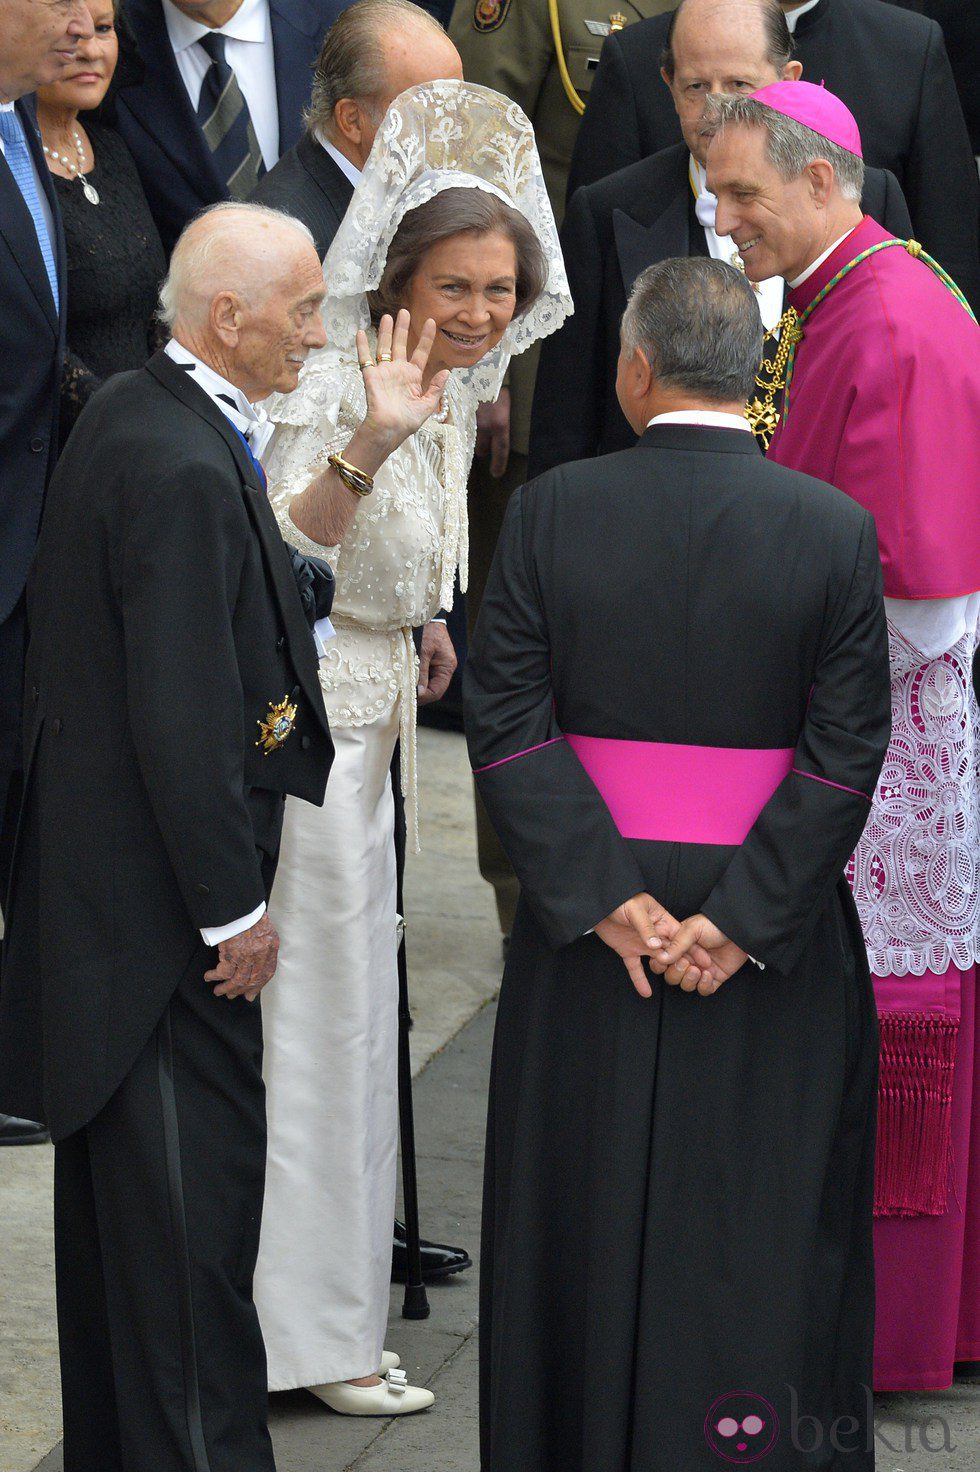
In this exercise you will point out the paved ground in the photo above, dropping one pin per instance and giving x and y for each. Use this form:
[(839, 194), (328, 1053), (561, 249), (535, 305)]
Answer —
[(454, 961)]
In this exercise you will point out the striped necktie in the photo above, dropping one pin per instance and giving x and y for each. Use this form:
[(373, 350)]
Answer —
[(226, 124), (19, 160)]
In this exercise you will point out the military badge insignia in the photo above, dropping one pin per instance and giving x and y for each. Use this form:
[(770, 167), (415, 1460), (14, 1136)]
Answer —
[(277, 725), (489, 15)]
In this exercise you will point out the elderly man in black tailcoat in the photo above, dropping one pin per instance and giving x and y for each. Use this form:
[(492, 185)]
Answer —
[(173, 701)]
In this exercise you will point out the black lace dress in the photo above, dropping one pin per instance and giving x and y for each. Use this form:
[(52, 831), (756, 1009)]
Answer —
[(115, 265)]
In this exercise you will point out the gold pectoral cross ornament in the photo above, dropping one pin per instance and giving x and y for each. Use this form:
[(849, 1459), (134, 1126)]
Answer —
[(277, 726), (762, 413)]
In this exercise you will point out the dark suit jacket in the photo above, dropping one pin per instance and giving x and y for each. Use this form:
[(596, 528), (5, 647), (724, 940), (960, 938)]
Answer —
[(888, 65), (156, 119), (960, 20), (166, 624), (33, 339), (613, 230), (308, 184)]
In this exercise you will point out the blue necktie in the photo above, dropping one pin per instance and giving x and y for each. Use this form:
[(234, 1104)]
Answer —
[(19, 160)]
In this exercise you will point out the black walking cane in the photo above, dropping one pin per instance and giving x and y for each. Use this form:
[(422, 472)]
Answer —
[(416, 1304)]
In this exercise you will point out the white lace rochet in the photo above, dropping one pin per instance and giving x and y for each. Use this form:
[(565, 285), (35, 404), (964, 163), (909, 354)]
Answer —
[(398, 564), (915, 872)]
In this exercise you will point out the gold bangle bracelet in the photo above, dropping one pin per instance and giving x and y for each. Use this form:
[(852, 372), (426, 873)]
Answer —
[(355, 480)]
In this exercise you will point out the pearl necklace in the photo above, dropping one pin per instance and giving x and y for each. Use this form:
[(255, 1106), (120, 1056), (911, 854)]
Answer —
[(89, 190)]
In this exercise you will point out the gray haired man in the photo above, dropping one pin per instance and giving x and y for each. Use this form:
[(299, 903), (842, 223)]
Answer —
[(375, 50)]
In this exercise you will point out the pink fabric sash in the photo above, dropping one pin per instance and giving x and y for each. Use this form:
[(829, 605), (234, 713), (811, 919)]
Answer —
[(682, 794)]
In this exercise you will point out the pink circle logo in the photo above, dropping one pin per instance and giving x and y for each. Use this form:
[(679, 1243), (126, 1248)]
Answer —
[(741, 1427)]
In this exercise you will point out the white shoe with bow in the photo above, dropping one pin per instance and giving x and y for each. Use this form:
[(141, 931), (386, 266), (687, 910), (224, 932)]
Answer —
[(393, 1396)]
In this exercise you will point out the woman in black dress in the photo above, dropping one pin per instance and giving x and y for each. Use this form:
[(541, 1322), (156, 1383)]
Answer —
[(115, 259)]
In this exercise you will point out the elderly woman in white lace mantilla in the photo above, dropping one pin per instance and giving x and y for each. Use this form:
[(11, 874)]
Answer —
[(449, 225)]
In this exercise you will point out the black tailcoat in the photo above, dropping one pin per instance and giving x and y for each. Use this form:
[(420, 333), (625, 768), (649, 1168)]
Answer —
[(154, 114), (678, 1189), (165, 624), (308, 184), (890, 67), (613, 229)]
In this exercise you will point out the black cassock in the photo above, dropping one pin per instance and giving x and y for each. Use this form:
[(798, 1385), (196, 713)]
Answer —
[(678, 1205)]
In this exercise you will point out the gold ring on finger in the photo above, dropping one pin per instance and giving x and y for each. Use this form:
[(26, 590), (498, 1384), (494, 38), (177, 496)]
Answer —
[(384, 357), (368, 363)]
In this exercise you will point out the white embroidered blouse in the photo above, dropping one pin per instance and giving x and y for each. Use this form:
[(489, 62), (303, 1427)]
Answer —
[(397, 565)]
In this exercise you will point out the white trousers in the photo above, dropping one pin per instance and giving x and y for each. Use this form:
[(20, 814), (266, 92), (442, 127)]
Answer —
[(330, 1018)]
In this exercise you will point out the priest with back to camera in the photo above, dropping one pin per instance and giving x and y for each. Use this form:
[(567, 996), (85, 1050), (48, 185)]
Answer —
[(685, 716)]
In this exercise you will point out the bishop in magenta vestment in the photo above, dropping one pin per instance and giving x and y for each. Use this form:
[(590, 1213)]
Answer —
[(884, 402)]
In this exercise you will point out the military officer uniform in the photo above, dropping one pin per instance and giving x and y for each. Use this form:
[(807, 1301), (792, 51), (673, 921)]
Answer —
[(510, 45)]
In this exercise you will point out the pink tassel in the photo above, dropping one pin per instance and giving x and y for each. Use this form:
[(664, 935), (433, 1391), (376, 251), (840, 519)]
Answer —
[(915, 1112)]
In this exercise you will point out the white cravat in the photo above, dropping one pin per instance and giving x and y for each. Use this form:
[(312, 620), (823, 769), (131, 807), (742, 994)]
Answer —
[(248, 51), (792, 16), (252, 423), (769, 293)]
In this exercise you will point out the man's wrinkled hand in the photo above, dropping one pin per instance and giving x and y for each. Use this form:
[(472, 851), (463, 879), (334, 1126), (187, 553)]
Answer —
[(437, 663), (700, 957), (493, 433), (246, 962)]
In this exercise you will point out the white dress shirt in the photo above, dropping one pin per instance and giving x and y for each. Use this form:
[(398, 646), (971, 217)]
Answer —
[(248, 51), (42, 197), (246, 419), (792, 16), (769, 293), (350, 171), (712, 418)]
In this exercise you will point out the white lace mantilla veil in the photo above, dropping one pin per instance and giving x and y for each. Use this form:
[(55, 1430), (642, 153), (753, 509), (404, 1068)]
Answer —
[(442, 135)]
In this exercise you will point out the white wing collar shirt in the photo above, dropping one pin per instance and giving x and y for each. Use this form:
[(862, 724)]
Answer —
[(249, 53), (255, 427), (792, 16), (769, 293), (350, 171)]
